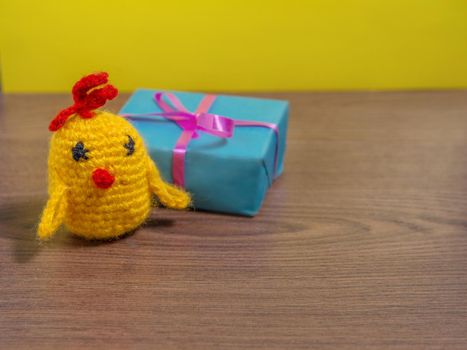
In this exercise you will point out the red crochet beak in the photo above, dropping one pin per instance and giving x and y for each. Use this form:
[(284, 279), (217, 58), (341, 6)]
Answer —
[(102, 178)]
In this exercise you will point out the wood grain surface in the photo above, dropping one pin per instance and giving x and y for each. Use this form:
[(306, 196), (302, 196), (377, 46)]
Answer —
[(361, 244)]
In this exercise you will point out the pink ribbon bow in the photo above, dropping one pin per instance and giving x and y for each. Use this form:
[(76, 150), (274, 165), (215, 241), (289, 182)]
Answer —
[(198, 121)]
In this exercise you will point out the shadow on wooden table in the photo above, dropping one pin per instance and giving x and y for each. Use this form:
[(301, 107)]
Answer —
[(19, 220)]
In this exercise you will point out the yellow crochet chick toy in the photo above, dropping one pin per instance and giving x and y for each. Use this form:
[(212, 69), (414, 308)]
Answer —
[(101, 179)]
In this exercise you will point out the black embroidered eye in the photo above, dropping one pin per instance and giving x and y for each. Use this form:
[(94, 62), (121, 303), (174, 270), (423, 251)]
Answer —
[(79, 151), (130, 146)]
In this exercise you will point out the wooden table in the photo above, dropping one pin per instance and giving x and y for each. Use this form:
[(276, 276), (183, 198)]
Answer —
[(361, 244)]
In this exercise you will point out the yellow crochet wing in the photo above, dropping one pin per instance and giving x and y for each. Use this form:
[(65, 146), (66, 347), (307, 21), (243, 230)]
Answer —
[(169, 195), (54, 212)]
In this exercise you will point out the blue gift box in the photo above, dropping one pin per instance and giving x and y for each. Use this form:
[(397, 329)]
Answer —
[(223, 175)]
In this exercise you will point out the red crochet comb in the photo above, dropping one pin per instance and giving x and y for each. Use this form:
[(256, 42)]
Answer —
[(88, 95)]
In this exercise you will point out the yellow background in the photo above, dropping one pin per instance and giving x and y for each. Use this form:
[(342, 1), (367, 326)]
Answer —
[(235, 45)]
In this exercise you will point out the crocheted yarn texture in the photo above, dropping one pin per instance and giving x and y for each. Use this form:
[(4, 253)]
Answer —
[(101, 179)]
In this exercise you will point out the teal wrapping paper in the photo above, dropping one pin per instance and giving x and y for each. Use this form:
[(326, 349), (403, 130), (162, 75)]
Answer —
[(223, 175)]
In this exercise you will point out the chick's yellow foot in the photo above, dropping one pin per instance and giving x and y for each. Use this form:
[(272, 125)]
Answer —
[(179, 198)]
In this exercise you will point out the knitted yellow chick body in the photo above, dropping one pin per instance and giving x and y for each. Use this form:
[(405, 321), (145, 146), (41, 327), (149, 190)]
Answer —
[(101, 179)]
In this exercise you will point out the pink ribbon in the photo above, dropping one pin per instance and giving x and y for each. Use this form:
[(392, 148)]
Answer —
[(198, 121)]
